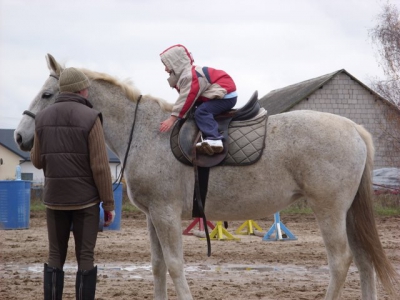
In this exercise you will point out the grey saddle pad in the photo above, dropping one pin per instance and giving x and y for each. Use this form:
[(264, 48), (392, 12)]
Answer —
[(246, 140)]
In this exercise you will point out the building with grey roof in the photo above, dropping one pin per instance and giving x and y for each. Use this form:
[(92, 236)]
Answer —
[(343, 94)]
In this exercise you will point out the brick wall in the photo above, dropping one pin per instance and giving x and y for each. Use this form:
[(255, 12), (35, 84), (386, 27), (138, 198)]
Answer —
[(346, 97)]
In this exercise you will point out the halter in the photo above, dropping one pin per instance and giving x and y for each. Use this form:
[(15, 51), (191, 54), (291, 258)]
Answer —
[(28, 113)]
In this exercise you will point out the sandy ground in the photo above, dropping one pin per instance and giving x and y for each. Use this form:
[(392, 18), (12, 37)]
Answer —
[(246, 269)]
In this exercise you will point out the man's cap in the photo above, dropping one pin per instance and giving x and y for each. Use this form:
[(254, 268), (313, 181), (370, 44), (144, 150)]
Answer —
[(73, 80)]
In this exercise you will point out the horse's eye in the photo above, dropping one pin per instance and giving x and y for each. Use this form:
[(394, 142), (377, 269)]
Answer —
[(46, 95)]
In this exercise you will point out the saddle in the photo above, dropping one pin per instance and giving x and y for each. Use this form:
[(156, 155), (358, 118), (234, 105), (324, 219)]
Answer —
[(243, 133)]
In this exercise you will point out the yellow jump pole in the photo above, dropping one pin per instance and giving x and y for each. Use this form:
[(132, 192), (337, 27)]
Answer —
[(249, 225), (220, 233)]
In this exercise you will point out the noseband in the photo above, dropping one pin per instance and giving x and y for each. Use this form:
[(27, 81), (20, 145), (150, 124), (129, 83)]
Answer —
[(28, 113)]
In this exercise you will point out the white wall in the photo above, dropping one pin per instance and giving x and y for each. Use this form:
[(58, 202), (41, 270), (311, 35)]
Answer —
[(10, 161)]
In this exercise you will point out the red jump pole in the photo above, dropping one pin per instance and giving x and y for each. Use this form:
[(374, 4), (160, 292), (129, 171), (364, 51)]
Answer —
[(201, 226)]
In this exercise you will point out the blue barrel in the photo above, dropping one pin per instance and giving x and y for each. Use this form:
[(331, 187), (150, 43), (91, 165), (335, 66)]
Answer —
[(15, 205), (116, 225)]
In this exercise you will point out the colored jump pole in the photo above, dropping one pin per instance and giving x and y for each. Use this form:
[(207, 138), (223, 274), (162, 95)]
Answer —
[(248, 227), (278, 227), (194, 223), (218, 232), (221, 234)]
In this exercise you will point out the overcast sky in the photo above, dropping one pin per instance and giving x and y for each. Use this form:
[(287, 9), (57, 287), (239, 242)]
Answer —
[(262, 44)]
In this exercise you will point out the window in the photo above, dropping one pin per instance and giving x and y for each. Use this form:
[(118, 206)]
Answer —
[(27, 176)]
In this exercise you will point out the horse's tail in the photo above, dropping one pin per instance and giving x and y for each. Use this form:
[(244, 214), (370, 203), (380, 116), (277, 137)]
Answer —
[(363, 232)]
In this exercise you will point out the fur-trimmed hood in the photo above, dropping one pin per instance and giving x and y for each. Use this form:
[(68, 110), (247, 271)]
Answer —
[(176, 58)]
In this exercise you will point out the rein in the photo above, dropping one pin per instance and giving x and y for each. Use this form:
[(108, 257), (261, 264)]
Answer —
[(119, 179)]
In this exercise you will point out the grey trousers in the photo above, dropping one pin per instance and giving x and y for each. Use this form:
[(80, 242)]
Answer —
[(85, 228)]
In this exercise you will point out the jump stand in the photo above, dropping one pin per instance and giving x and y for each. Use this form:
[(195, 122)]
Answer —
[(220, 233), (278, 227), (247, 228), (194, 223)]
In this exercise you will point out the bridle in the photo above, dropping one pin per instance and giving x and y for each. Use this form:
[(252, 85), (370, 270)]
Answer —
[(119, 179)]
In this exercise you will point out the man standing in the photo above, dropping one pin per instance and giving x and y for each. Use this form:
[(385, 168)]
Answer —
[(69, 146)]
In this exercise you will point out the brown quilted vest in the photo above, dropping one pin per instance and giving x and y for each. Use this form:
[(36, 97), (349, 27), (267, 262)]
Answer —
[(63, 129)]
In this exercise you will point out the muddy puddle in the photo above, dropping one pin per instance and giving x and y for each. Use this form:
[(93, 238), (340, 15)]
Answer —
[(143, 271)]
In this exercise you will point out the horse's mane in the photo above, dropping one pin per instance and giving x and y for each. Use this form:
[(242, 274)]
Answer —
[(127, 87)]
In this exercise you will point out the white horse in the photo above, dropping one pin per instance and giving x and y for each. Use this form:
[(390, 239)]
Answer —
[(321, 157)]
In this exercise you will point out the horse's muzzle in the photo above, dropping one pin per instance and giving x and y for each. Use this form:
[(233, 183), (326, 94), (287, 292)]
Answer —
[(24, 146)]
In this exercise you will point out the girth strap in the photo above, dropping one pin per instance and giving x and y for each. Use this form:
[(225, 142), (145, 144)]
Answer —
[(200, 192)]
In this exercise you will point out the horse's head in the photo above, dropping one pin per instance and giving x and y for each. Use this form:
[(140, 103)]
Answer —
[(24, 133)]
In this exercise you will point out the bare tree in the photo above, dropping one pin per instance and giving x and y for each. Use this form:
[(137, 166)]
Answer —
[(386, 37)]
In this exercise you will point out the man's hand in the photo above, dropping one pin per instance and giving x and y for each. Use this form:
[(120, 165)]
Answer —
[(108, 217)]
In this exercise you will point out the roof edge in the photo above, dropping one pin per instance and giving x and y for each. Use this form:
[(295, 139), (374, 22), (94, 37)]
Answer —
[(11, 150), (353, 78), (333, 74)]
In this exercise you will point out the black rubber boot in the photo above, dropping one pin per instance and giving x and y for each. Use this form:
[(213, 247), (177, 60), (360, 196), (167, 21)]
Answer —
[(53, 283), (85, 285)]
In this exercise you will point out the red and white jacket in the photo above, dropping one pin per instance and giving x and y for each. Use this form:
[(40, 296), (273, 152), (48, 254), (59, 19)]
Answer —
[(194, 83)]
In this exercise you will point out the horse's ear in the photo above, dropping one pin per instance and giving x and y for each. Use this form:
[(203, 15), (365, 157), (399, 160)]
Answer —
[(53, 65)]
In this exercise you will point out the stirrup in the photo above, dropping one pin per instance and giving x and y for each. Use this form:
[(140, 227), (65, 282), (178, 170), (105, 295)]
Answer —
[(199, 144), (204, 148)]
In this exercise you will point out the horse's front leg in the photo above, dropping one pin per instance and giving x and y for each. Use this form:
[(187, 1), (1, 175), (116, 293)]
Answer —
[(167, 224), (158, 264)]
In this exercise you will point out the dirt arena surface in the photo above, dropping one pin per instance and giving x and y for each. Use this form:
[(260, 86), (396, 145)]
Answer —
[(246, 269)]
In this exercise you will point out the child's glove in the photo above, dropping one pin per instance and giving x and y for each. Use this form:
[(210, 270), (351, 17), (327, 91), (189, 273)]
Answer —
[(108, 217)]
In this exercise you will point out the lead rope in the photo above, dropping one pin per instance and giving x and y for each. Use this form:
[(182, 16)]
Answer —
[(119, 178)]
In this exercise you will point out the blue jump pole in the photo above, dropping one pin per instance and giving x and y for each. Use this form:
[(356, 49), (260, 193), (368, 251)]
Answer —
[(278, 227)]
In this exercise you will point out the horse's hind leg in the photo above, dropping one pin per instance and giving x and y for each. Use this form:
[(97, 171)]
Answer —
[(158, 265), (363, 263), (333, 229), (167, 225)]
